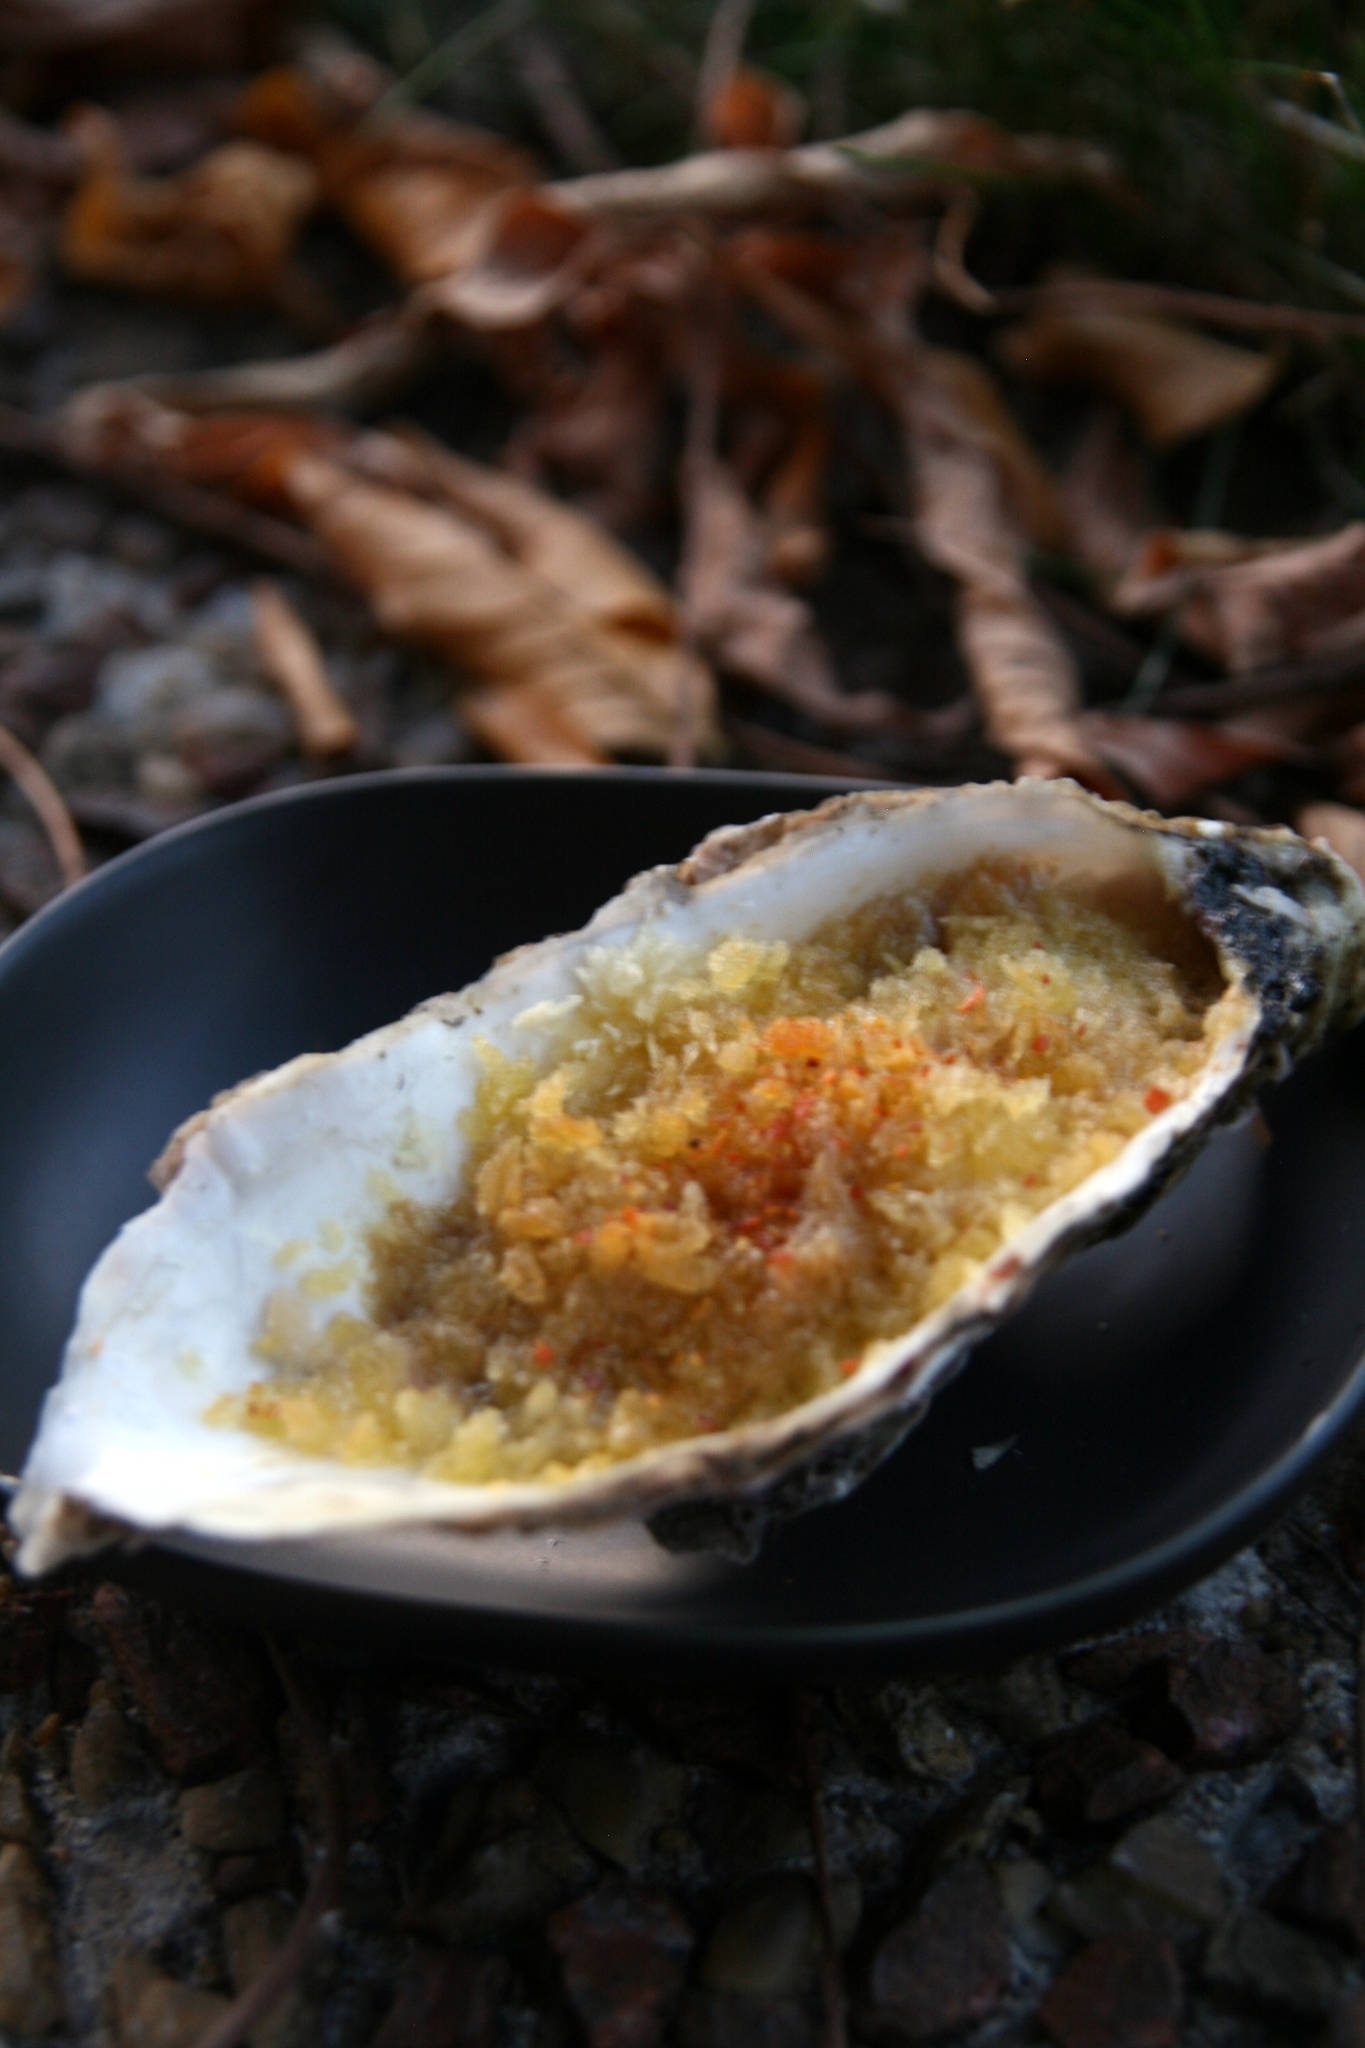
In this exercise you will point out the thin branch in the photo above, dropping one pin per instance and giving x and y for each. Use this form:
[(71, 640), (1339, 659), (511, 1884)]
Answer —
[(560, 107), (293, 660), (48, 806), (798, 757), (470, 41), (1215, 309), (1326, 673), (949, 259)]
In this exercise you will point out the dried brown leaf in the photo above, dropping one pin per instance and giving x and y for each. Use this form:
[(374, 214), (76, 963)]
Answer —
[(753, 110), (1251, 603), (1176, 381), (218, 234), (742, 620), (600, 651), (1171, 760), (523, 256), (421, 190), (1103, 489)]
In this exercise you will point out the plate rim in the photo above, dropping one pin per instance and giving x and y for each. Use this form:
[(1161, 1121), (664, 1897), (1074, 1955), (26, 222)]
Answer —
[(1066, 1611)]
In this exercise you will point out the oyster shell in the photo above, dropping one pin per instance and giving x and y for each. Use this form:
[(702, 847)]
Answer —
[(315, 1153)]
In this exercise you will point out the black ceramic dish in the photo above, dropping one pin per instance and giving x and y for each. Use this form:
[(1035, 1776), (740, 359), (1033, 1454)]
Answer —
[(1155, 1404)]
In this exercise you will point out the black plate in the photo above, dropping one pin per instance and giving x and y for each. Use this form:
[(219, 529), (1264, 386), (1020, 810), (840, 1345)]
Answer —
[(1151, 1408)]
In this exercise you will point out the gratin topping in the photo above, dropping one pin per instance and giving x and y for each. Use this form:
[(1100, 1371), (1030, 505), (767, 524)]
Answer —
[(740, 1167)]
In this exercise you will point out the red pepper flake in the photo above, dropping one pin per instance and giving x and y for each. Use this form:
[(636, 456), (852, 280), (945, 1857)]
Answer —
[(1030, 1180), (971, 1001), (1155, 1100), (1041, 1044), (848, 1366), (1046, 979), (543, 1353), (856, 1192), (1079, 1029)]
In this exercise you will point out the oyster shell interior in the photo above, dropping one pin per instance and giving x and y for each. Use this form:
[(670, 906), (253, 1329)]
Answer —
[(262, 1251)]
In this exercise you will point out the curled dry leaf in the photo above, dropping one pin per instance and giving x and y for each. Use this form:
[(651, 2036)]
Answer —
[(1171, 760), (220, 233), (419, 189), (1250, 603), (1176, 381), (437, 578), (524, 256), (1341, 825), (974, 495), (525, 594)]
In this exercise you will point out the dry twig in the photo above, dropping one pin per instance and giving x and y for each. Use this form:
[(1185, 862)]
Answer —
[(47, 803), (293, 660)]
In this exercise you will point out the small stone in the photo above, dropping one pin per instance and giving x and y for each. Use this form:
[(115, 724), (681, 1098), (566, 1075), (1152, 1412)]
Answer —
[(200, 1692), (1099, 1773), (152, 2010), (144, 690), (447, 2000), (1229, 1704), (1164, 1858), (234, 1814), (1116, 1994), (750, 1731), (30, 1983), (929, 1738), (1098, 1902), (429, 741), (165, 780), (1326, 1888), (1270, 1965), (90, 599), (23, 584), (58, 515), (1023, 1884), (139, 542), (1111, 1667), (508, 1883), (624, 1956), (262, 1870), (41, 682), (234, 738), (103, 1750), (1027, 1701), (18, 1819), (750, 1832), (769, 1945), (949, 1962), (616, 1799), (84, 751), (727, 2019)]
